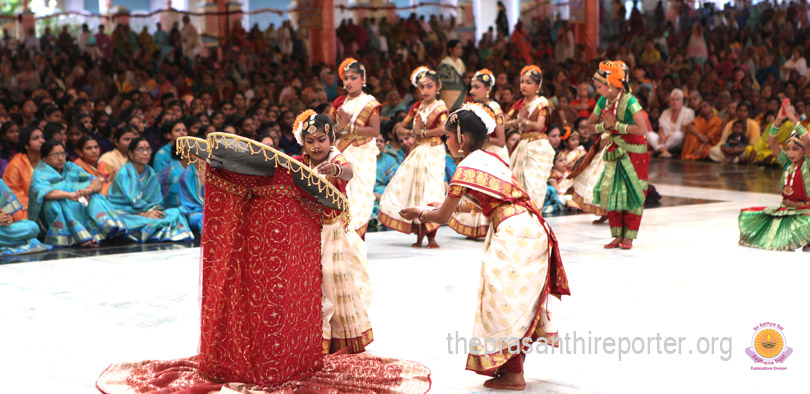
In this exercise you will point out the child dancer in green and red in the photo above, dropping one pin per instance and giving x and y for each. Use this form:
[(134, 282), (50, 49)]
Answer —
[(622, 188)]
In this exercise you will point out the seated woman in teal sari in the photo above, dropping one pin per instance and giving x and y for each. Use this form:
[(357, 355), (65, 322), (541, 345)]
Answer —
[(135, 194), (67, 203), (192, 190), (17, 235), (169, 165)]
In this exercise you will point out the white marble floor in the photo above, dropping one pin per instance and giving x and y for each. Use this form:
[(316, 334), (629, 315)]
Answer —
[(62, 322)]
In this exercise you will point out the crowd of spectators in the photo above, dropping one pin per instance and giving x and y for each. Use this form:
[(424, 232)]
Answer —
[(710, 80)]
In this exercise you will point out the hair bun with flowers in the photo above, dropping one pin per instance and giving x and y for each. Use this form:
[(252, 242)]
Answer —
[(611, 73), (483, 112), (305, 122), (531, 69), (485, 76), (347, 64), (416, 75)]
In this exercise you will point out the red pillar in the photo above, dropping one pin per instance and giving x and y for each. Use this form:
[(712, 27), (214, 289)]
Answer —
[(318, 16), (586, 27)]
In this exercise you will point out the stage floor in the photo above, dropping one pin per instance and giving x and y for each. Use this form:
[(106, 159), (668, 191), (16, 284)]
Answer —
[(65, 320)]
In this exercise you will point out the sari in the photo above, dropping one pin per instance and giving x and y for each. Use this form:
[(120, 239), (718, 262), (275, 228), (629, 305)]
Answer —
[(96, 173), (476, 225), (454, 91), (67, 222), (346, 284), (761, 151), (362, 153), (622, 188), (21, 236), (521, 265), (169, 178), (110, 162), (786, 227), (192, 190), (533, 156), (162, 158), (419, 180), (18, 178), (132, 194), (586, 174)]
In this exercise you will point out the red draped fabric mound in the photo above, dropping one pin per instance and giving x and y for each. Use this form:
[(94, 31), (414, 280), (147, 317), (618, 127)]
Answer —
[(261, 305), (261, 279), (341, 374)]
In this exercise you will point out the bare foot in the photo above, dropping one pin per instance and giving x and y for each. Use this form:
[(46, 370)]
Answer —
[(615, 243), (627, 244), (89, 244), (806, 248), (470, 238), (507, 381), (432, 244), (665, 154), (417, 244), (601, 220)]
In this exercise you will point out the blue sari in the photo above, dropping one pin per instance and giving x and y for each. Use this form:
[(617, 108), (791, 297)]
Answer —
[(132, 194), (20, 236), (69, 222), (162, 158), (191, 197), (170, 183)]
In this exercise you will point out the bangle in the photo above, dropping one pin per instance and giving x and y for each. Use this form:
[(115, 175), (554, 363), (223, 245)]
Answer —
[(353, 129), (621, 127), (423, 215), (600, 127), (773, 130), (338, 170), (423, 133)]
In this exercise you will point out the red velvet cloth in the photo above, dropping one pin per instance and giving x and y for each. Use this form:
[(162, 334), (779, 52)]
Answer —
[(261, 279)]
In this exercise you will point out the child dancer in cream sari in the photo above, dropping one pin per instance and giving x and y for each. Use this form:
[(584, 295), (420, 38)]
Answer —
[(475, 225), (521, 260), (533, 156), (420, 178), (346, 285), (357, 124)]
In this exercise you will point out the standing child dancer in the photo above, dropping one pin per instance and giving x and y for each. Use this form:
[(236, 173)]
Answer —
[(357, 123), (420, 178), (346, 285), (475, 225), (533, 156), (589, 170), (521, 262), (622, 188), (786, 227)]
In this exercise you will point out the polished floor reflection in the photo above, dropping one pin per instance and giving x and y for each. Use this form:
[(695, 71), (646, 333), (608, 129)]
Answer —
[(686, 278)]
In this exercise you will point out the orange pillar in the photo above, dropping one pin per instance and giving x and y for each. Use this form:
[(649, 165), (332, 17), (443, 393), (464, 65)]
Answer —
[(319, 19), (585, 15)]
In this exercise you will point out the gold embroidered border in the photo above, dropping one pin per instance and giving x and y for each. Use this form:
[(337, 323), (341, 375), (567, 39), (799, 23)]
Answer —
[(505, 211), (238, 143), (480, 180), (402, 226), (533, 136)]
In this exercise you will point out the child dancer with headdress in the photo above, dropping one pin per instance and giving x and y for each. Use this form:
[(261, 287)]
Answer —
[(475, 224), (420, 178), (356, 116), (521, 261), (786, 227), (584, 176), (622, 188), (533, 155), (346, 285)]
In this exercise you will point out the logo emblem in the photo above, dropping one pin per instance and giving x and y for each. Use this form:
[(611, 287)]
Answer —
[(768, 345)]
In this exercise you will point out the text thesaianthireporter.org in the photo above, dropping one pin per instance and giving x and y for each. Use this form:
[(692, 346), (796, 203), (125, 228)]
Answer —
[(574, 344)]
